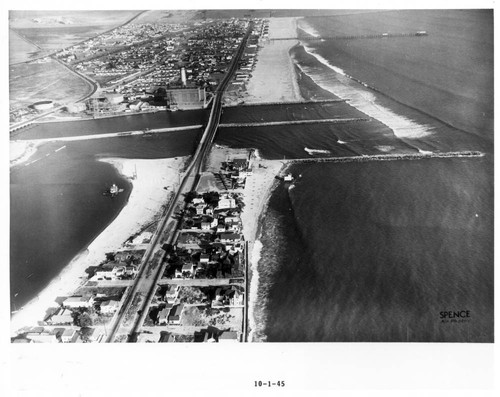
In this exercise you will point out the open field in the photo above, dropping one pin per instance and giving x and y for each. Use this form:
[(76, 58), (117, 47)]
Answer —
[(53, 30), (30, 83), (20, 50)]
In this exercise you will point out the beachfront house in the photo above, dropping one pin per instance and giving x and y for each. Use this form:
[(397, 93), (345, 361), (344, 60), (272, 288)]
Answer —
[(75, 302), (226, 203), (64, 317)]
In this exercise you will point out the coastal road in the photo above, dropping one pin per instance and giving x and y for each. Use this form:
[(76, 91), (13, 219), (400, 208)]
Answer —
[(129, 320)]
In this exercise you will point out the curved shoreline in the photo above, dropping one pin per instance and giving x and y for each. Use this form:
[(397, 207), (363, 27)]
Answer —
[(145, 201)]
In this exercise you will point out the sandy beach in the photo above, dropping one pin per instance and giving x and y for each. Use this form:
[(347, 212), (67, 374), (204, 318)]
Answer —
[(257, 190), (146, 200), (274, 78), (21, 151)]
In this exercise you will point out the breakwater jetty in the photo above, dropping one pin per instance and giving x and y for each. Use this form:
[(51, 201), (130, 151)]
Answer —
[(286, 103), (113, 134), (387, 157), (356, 37), (292, 122)]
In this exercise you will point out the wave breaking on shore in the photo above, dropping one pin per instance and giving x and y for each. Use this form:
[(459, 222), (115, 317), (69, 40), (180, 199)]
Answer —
[(345, 87)]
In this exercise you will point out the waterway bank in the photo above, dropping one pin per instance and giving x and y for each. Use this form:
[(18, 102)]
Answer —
[(150, 190)]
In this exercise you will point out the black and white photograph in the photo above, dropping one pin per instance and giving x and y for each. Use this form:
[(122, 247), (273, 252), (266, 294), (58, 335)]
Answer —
[(286, 177)]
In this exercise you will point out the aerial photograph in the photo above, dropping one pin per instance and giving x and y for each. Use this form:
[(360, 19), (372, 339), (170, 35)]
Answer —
[(251, 175)]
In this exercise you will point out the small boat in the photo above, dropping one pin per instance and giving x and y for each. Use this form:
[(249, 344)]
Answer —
[(113, 190)]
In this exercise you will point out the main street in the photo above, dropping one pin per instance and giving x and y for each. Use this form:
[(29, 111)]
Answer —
[(135, 303)]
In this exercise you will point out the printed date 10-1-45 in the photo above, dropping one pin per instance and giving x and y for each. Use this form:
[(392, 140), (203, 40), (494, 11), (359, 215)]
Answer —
[(259, 383)]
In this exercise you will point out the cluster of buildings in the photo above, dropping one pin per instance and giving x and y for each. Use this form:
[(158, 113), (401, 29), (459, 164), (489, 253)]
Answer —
[(123, 36), (63, 323), (210, 242)]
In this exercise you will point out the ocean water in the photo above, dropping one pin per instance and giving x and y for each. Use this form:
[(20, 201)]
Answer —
[(375, 251)]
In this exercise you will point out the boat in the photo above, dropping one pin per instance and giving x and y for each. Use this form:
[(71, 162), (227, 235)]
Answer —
[(113, 190)]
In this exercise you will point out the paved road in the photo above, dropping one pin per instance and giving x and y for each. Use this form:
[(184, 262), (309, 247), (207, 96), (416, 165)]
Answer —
[(151, 269)]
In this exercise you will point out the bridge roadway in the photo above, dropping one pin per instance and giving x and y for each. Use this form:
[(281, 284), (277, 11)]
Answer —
[(151, 267)]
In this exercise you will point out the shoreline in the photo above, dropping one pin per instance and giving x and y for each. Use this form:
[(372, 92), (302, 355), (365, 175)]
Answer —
[(274, 78), (258, 189), (21, 151), (146, 200)]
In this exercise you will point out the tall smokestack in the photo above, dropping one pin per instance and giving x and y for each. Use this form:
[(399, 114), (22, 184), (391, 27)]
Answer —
[(183, 76)]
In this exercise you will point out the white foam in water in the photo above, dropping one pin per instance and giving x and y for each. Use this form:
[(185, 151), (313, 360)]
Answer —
[(363, 100), (303, 25), (254, 289), (311, 151)]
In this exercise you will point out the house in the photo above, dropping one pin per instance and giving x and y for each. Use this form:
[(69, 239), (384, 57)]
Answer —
[(164, 313), (221, 228), (130, 270), (200, 208), (175, 314), (75, 302), (109, 307), (198, 200), (228, 336), (43, 337), (230, 238), (112, 274), (240, 164), (69, 335), (171, 293), (226, 203), (91, 334), (64, 317), (188, 241)]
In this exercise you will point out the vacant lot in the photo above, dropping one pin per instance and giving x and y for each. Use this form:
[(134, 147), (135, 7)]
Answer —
[(34, 82)]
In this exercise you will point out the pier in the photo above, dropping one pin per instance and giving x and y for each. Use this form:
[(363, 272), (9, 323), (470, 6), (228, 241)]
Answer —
[(386, 157), (356, 37), (294, 122)]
